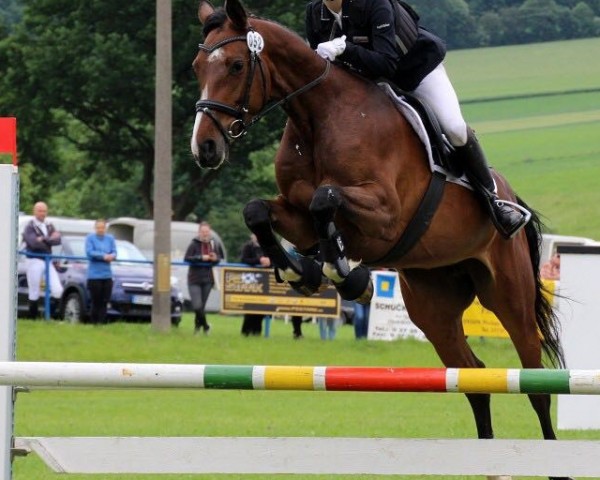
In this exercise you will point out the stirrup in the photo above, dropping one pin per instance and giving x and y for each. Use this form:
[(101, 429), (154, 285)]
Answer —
[(526, 213), (526, 216)]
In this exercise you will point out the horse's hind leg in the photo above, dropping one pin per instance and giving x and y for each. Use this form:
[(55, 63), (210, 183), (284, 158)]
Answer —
[(513, 297), (353, 282), (452, 292), (302, 273)]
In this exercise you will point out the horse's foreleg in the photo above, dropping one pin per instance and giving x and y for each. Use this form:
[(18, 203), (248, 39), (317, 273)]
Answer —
[(302, 273), (353, 282)]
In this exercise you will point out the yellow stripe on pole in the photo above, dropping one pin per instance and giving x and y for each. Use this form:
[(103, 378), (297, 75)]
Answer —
[(289, 378), (480, 380)]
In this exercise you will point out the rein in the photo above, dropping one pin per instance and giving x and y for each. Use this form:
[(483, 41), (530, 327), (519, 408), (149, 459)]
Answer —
[(238, 127)]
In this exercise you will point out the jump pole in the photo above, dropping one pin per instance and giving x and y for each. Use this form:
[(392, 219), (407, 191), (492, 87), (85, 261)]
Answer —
[(247, 377), (9, 207)]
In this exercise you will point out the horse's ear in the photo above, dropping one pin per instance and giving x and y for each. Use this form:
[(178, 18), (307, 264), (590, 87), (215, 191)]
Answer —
[(237, 14), (205, 10)]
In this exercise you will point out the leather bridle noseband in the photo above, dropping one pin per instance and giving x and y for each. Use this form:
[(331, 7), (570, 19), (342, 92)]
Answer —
[(239, 127)]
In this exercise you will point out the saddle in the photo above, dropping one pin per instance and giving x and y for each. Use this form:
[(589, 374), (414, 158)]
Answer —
[(442, 151)]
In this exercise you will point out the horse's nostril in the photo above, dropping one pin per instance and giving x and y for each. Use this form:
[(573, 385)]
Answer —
[(208, 149)]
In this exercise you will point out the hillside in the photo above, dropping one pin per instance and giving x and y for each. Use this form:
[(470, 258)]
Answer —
[(536, 110)]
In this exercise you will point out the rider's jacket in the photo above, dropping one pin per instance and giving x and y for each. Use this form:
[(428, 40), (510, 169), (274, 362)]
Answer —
[(371, 48)]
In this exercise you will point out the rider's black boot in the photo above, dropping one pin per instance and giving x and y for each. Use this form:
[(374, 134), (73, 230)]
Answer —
[(507, 220)]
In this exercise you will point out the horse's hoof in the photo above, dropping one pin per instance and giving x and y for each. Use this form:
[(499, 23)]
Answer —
[(357, 286), (256, 215)]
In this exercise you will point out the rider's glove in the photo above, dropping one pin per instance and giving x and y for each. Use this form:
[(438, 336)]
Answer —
[(333, 48)]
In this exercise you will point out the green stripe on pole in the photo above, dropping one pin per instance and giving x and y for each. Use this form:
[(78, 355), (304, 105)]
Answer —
[(228, 377), (544, 381)]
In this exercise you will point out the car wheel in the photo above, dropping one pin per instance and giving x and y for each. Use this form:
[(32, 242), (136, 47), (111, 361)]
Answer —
[(73, 308)]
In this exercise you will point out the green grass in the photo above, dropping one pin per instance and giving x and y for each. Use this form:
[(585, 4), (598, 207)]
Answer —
[(246, 413), (536, 111), (522, 70)]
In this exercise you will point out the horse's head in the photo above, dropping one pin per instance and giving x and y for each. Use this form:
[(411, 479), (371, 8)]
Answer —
[(232, 81)]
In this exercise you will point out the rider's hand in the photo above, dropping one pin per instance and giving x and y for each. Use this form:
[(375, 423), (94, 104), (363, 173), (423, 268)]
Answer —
[(330, 50)]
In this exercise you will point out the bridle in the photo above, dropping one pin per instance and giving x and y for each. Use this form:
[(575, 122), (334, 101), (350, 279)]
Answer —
[(238, 127)]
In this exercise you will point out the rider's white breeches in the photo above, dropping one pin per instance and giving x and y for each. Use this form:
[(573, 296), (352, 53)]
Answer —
[(438, 94)]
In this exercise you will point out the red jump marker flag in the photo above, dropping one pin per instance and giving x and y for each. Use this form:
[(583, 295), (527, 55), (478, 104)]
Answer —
[(8, 137)]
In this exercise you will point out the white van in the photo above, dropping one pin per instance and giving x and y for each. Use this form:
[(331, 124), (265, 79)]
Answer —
[(141, 234)]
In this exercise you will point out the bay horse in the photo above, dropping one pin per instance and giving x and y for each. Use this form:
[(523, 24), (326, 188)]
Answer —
[(351, 174)]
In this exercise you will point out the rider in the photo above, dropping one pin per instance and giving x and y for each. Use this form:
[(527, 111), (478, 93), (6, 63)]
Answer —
[(363, 36)]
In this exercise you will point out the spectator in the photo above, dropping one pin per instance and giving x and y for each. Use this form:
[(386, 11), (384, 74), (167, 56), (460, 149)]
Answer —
[(551, 269), (253, 255), (297, 327), (202, 254), (328, 327), (361, 319), (101, 250), (39, 237)]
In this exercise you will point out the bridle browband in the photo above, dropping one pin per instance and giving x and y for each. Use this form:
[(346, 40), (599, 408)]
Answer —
[(238, 127)]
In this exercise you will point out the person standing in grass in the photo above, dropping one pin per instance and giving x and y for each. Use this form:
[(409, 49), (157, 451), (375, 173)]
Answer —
[(202, 254), (297, 327), (101, 251), (328, 327), (361, 319), (39, 236), (253, 255)]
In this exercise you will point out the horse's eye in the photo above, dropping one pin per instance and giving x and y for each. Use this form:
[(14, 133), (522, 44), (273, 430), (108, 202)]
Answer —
[(236, 67)]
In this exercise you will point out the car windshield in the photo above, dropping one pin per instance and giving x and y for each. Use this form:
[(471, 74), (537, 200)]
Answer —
[(125, 250)]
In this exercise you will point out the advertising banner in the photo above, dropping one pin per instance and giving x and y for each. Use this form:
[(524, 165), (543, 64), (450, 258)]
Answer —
[(388, 319), (255, 290)]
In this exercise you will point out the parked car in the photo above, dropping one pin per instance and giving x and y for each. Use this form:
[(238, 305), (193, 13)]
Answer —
[(131, 297)]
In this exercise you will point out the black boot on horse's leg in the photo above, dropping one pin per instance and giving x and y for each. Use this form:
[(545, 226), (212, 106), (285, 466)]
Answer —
[(305, 271), (351, 283), (508, 217)]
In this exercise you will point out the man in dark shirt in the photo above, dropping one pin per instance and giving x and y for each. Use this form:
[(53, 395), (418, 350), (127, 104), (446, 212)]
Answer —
[(253, 255), (203, 252)]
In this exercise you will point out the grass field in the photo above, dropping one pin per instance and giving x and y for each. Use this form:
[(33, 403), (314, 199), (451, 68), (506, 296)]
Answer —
[(245, 413), (536, 109)]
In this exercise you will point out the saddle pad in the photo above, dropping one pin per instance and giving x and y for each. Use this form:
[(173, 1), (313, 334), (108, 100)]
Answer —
[(416, 123)]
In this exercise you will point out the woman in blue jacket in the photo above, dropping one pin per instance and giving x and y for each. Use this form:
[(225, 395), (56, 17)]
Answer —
[(101, 250)]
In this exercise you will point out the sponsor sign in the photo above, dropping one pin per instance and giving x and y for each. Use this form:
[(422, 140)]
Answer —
[(255, 290), (388, 318), (481, 322)]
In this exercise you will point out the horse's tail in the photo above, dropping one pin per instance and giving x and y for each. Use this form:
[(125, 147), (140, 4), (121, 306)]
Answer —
[(545, 316)]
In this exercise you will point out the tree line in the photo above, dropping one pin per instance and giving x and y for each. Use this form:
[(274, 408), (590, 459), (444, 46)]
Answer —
[(79, 76)]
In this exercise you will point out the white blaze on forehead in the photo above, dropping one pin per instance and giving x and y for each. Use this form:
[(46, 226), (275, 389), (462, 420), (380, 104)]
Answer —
[(216, 55), (194, 143)]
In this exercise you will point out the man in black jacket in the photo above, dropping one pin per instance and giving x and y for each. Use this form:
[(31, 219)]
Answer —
[(253, 255), (203, 252), (374, 38)]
